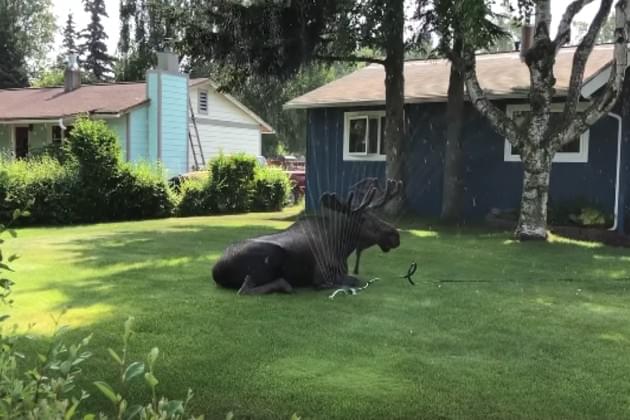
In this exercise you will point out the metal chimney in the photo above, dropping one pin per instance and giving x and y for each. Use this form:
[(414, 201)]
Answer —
[(527, 39), (168, 61), (72, 75)]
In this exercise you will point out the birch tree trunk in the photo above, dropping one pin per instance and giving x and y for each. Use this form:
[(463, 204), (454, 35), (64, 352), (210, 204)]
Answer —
[(395, 101), (532, 222)]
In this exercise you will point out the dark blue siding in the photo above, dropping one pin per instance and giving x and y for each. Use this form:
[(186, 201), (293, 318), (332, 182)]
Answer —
[(490, 182)]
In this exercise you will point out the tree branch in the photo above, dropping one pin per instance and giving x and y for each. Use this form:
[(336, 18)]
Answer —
[(505, 126), (582, 52), (607, 100), (564, 28), (350, 59)]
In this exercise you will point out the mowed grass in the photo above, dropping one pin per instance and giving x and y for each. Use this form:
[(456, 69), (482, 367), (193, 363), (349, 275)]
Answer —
[(492, 329)]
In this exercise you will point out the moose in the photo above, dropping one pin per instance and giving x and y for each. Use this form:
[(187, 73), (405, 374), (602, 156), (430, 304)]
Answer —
[(312, 252)]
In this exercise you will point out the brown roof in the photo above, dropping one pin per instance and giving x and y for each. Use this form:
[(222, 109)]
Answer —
[(110, 98), (501, 75), (49, 103)]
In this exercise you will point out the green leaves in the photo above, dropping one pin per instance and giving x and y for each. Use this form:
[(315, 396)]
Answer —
[(115, 356), (151, 380), (153, 355), (108, 392), (133, 370)]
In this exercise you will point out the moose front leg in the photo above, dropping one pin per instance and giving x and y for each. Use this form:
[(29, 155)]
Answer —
[(278, 285), (356, 263)]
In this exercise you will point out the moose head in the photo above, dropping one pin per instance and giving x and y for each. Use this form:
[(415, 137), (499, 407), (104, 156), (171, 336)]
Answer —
[(361, 223)]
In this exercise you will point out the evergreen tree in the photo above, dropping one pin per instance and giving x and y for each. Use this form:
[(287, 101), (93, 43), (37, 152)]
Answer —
[(70, 36), (13, 71), (96, 61)]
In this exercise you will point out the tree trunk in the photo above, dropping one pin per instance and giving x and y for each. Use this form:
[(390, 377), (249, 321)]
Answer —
[(453, 183), (532, 222), (395, 101)]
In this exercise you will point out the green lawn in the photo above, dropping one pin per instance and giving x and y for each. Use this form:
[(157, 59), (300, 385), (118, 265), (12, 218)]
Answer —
[(531, 330)]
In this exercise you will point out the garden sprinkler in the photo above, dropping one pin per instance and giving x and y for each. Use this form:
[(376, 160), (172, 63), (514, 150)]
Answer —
[(410, 272)]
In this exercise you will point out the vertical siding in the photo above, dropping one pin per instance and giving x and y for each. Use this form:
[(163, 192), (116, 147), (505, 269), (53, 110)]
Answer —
[(174, 123), (489, 181), (139, 134), (152, 116), (119, 126)]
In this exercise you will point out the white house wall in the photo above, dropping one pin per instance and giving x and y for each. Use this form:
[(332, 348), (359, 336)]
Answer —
[(217, 139), (225, 128)]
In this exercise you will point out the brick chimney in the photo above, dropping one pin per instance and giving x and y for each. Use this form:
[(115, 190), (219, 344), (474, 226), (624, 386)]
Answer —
[(72, 75)]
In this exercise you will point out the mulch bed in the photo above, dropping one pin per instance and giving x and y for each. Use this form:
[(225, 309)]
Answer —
[(590, 234), (593, 235)]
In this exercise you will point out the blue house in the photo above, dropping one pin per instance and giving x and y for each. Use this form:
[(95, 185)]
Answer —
[(346, 125), (170, 118)]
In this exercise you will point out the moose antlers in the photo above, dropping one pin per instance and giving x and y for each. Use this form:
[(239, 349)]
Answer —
[(365, 194)]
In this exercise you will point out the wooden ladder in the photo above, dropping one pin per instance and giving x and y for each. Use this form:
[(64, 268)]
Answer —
[(195, 144)]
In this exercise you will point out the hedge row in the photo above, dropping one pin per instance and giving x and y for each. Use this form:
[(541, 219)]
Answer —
[(87, 182), (235, 184)]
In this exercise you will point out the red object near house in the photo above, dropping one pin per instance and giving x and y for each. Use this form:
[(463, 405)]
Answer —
[(296, 169)]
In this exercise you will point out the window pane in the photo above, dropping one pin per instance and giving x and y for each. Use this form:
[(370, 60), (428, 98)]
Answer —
[(573, 147), (383, 150), (56, 134), (373, 136), (358, 131), (516, 151)]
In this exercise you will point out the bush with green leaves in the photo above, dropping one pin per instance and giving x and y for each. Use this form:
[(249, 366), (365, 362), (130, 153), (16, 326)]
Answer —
[(140, 192), (42, 185), (272, 189), (90, 184), (232, 182), (195, 197), (95, 148)]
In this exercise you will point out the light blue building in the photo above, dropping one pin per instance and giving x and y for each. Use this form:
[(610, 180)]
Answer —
[(153, 120)]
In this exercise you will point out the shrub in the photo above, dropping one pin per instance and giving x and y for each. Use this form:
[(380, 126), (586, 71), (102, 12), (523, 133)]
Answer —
[(272, 189), (140, 192), (196, 197), (232, 182), (95, 148), (41, 185)]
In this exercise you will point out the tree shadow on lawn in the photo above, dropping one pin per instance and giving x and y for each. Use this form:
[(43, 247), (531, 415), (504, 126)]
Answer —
[(394, 351)]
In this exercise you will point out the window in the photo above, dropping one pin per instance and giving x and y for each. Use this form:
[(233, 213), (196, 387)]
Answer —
[(364, 134), (55, 135), (574, 152), (203, 101)]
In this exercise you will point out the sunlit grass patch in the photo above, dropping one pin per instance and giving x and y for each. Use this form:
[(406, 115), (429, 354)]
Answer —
[(488, 331)]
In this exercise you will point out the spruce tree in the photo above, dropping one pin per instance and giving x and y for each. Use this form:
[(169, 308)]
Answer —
[(96, 61), (70, 36), (13, 71)]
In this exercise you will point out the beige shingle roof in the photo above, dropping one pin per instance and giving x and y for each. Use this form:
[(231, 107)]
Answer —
[(501, 75)]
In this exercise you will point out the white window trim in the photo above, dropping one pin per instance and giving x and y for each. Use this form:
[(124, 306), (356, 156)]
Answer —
[(559, 157), (362, 156), (199, 110)]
